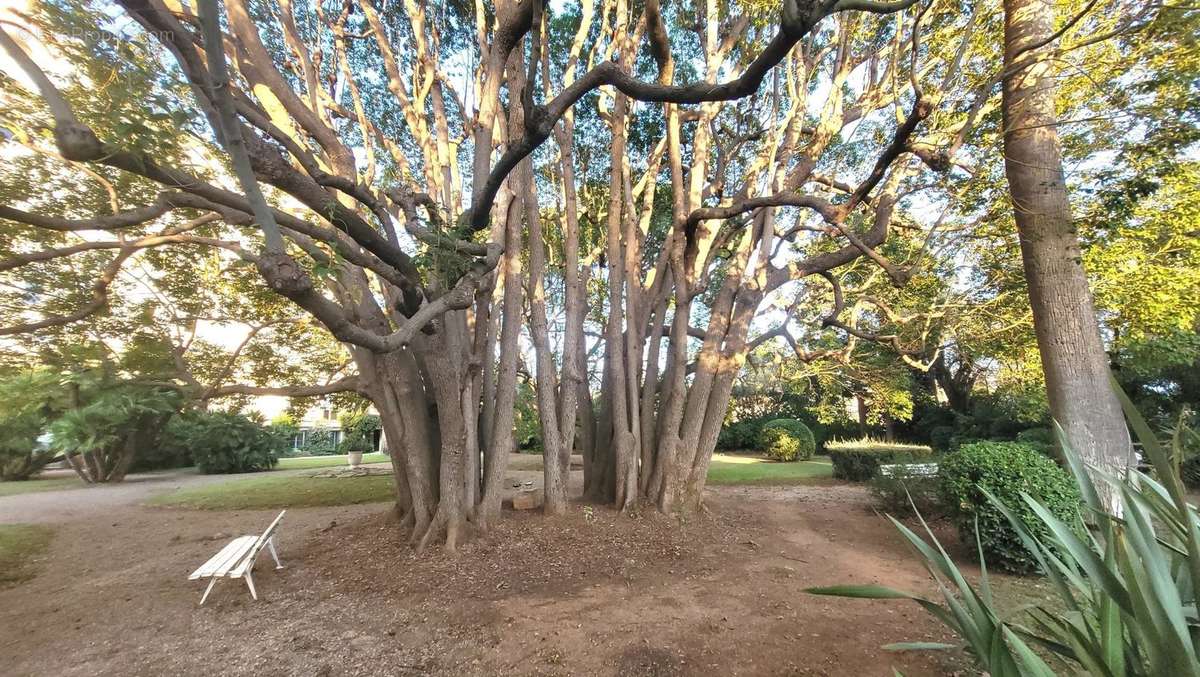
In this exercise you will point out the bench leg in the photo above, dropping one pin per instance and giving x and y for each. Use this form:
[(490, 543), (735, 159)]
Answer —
[(211, 582), (250, 582), (274, 555)]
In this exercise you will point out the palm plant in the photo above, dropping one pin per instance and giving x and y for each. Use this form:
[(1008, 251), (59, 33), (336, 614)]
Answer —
[(1124, 588), (27, 403), (101, 438)]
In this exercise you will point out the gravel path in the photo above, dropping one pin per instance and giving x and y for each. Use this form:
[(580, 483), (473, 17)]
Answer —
[(86, 503), (82, 503)]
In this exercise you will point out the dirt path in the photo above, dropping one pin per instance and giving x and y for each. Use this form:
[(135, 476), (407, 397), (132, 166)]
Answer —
[(84, 503), (589, 593), (75, 503)]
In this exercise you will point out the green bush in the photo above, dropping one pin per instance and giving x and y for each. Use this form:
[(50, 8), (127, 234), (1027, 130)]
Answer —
[(27, 403), (358, 433), (318, 442), (162, 456), (1038, 438), (941, 438), (1006, 470), (742, 434), (859, 460), (223, 442), (958, 441), (897, 493), (786, 439)]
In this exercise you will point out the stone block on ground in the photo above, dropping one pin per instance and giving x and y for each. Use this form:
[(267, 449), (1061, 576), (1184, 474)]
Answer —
[(527, 500)]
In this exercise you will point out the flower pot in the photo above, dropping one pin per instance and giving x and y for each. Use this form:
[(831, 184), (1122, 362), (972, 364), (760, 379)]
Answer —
[(354, 458)]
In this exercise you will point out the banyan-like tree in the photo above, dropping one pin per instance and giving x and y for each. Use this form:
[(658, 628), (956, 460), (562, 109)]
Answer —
[(431, 183)]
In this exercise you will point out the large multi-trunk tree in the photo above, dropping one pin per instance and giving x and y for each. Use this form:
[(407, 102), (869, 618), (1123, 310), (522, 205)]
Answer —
[(1074, 360), (395, 184)]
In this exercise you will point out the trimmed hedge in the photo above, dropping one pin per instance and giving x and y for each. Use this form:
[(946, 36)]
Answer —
[(859, 460), (786, 439), (897, 493), (1006, 470)]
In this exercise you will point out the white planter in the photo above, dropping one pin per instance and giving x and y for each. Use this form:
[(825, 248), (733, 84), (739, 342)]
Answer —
[(355, 458)]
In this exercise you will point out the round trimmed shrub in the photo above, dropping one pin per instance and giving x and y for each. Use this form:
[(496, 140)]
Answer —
[(786, 439), (1006, 470)]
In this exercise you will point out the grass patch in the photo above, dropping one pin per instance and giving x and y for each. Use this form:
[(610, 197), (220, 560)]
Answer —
[(20, 546), (34, 485), (326, 461), (729, 469), (293, 491)]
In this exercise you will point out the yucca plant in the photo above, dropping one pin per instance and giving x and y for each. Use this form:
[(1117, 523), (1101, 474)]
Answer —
[(1125, 588)]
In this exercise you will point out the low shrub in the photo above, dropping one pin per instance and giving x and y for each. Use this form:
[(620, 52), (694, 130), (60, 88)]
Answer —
[(223, 442), (958, 441), (21, 455), (1006, 470), (317, 442), (1038, 438), (162, 456), (742, 434), (786, 439), (941, 437), (355, 441), (859, 460), (898, 492), (28, 402), (359, 431)]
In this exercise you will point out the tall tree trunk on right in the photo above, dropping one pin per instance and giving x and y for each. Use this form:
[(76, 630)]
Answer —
[(1073, 357)]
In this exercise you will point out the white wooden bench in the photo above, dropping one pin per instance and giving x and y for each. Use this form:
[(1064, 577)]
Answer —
[(916, 469), (236, 559)]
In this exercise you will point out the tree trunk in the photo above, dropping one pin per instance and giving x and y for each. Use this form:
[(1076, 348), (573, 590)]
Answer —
[(1073, 357)]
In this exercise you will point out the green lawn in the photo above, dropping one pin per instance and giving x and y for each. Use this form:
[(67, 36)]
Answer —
[(49, 484), (20, 545), (325, 461), (293, 491), (729, 469)]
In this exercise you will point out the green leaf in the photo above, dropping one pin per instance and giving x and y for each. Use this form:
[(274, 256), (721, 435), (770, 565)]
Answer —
[(861, 592), (919, 646)]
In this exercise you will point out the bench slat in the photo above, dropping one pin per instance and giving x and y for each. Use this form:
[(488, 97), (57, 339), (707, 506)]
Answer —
[(920, 469), (226, 559), (248, 563)]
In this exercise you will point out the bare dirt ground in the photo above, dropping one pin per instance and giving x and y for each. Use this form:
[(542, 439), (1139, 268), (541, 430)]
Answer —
[(589, 593)]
